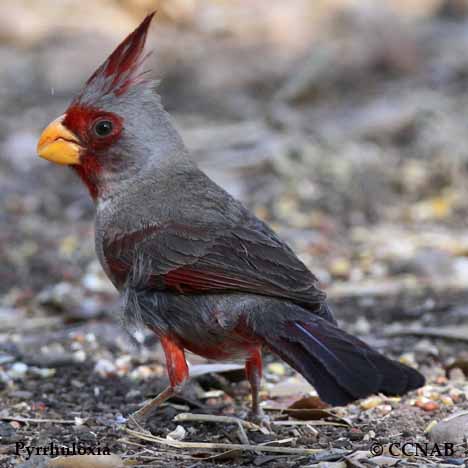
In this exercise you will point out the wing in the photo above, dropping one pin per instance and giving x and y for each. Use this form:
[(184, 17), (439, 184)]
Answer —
[(191, 259)]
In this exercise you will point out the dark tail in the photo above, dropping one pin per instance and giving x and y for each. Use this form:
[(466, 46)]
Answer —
[(342, 368)]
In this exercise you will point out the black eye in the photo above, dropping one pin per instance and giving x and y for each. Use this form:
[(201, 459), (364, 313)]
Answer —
[(103, 128)]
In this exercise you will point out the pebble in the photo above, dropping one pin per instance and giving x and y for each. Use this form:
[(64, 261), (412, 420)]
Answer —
[(454, 461), (369, 436), (453, 429), (21, 394), (455, 394), (105, 368), (456, 375), (430, 426), (428, 406), (362, 326), (383, 410), (6, 358), (18, 370), (43, 372), (408, 359), (178, 433), (276, 368), (96, 281), (79, 356), (340, 268), (355, 434), (383, 460), (119, 419), (446, 400), (371, 402), (7, 433)]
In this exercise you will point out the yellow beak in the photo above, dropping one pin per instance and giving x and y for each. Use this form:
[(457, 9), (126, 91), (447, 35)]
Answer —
[(58, 144)]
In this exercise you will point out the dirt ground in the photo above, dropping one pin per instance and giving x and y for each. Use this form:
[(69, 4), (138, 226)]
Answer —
[(348, 136)]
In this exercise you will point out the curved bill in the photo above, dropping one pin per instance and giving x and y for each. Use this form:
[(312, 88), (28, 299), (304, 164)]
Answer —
[(58, 144)]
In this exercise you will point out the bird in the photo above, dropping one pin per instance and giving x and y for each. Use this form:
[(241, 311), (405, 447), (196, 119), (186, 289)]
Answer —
[(191, 262)]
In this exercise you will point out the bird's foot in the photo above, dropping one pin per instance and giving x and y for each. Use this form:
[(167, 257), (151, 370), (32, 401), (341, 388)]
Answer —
[(133, 422), (138, 418), (259, 418)]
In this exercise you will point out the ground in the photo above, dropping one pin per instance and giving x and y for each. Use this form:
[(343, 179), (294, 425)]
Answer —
[(349, 138)]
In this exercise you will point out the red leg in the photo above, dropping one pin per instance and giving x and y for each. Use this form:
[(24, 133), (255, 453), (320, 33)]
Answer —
[(176, 364), (253, 372), (177, 370)]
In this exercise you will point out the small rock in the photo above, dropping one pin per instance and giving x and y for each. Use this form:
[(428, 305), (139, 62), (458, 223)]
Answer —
[(43, 372), (340, 268), (362, 326), (428, 405), (453, 429), (105, 368), (6, 358), (7, 433), (430, 426), (455, 394), (385, 461), (355, 434), (277, 368), (426, 347), (456, 375), (446, 400), (371, 402), (18, 370), (383, 410), (408, 359), (178, 433), (22, 394), (454, 461), (79, 356)]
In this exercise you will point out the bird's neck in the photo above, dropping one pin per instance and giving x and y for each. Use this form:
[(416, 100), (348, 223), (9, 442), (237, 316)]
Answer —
[(90, 179)]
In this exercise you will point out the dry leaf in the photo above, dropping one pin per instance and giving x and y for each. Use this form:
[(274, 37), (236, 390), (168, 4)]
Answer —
[(309, 409), (306, 403)]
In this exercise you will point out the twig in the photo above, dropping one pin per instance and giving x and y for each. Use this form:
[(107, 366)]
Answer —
[(221, 446), (279, 441), (182, 417), (243, 435), (221, 419), (30, 324), (35, 420), (134, 421), (454, 335), (309, 423), (202, 369)]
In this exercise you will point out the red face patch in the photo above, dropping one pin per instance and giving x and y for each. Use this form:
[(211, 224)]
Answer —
[(97, 130), (85, 122)]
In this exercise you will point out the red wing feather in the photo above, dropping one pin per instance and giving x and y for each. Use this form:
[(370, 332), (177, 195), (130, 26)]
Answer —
[(187, 259), (188, 280)]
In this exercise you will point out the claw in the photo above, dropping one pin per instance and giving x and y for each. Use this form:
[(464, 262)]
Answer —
[(261, 419)]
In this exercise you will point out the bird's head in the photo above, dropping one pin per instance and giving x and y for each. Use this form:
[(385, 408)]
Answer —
[(115, 127)]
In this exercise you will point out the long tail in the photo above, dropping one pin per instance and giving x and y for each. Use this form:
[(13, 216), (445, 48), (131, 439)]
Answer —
[(341, 367)]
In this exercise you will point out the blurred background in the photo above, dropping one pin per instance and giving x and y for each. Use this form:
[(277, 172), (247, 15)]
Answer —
[(342, 123)]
